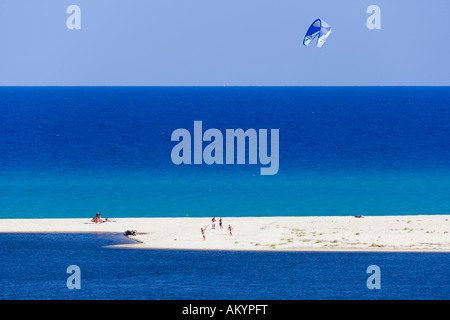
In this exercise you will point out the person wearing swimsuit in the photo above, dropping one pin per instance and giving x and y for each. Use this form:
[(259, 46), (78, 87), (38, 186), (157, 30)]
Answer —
[(203, 233)]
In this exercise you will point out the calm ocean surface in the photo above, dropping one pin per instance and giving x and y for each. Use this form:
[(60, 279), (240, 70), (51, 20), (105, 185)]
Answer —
[(33, 266), (74, 151)]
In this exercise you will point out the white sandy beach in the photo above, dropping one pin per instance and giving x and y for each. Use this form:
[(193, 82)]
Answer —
[(373, 233)]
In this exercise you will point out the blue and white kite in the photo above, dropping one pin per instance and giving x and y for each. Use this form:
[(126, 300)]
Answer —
[(318, 28)]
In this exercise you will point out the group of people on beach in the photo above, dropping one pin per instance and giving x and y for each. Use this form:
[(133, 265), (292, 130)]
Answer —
[(98, 219), (213, 226)]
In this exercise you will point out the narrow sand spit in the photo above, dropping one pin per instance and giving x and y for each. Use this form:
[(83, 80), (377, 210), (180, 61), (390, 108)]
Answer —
[(333, 233)]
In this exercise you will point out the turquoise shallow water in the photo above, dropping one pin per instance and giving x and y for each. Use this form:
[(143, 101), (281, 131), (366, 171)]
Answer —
[(72, 152), (139, 195)]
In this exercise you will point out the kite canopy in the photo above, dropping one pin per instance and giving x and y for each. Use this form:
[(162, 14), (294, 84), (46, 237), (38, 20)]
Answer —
[(318, 28)]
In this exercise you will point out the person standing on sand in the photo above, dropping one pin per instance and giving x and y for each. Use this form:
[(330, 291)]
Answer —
[(220, 223), (213, 223), (203, 232), (230, 228)]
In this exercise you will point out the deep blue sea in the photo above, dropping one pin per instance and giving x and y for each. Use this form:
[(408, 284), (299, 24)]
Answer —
[(70, 152), (33, 266), (76, 151)]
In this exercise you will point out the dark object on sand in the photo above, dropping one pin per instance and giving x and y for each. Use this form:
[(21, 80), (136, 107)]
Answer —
[(130, 233), (360, 216)]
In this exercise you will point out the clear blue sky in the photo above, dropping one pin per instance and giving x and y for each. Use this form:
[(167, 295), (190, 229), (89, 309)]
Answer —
[(217, 42)]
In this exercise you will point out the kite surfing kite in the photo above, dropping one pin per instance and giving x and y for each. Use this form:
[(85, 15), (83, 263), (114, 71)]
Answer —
[(318, 28)]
